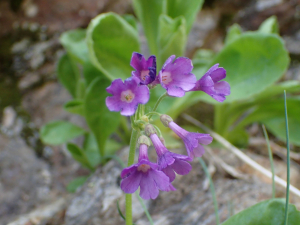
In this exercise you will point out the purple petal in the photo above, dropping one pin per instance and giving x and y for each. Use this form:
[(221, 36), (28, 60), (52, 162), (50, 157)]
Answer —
[(142, 94), (116, 87), (180, 66), (136, 61), (175, 91), (218, 74), (169, 60), (222, 87), (181, 167), (198, 152), (148, 188), (128, 110), (161, 179), (165, 160), (113, 103), (170, 173), (130, 184), (127, 171), (171, 188)]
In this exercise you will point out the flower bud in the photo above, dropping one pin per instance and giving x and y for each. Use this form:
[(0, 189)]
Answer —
[(165, 119), (149, 129), (144, 140)]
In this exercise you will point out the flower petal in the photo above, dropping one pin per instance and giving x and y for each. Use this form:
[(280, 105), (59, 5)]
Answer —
[(135, 62), (181, 167), (148, 188), (161, 179), (170, 173), (130, 184)]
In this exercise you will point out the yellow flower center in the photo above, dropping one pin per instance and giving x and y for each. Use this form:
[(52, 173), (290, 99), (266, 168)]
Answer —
[(127, 96)]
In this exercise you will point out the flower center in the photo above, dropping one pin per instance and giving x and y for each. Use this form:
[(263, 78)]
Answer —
[(144, 74), (166, 77), (144, 168), (127, 96)]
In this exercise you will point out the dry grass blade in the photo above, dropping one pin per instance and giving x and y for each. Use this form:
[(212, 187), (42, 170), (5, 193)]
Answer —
[(241, 155)]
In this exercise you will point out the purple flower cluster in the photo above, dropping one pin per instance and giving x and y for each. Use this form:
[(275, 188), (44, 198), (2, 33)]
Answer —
[(175, 76)]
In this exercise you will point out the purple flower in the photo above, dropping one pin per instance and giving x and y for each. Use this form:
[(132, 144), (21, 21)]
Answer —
[(176, 77), (192, 140), (170, 162), (145, 175), (145, 69), (210, 83), (126, 96)]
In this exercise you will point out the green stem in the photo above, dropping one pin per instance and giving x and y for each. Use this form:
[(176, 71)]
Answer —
[(149, 114), (158, 101), (128, 197), (271, 160), (219, 118), (212, 190), (288, 162), (145, 208)]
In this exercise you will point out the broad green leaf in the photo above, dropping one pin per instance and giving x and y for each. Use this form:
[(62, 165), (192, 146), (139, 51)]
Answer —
[(68, 74), (90, 148), (171, 38), (291, 86), (269, 26), (148, 13), (101, 121), (111, 41), (187, 8), (272, 115), (75, 44), (76, 183), (59, 132), (90, 72), (254, 61), (201, 60), (79, 155), (75, 106), (234, 32), (112, 146), (81, 86), (131, 20), (269, 212)]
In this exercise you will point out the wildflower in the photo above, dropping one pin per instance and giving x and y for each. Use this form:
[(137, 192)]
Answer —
[(167, 161), (176, 77), (144, 174), (191, 140), (126, 96), (145, 69), (210, 83)]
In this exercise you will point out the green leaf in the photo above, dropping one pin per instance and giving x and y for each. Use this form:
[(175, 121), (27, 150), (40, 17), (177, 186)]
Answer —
[(269, 212), (148, 13), (254, 61), (75, 44), (75, 106), (90, 148), (90, 72), (68, 74), (111, 41), (101, 121), (233, 33), (269, 26), (59, 132), (131, 20), (76, 183), (79, 155), (171, 38), (112, 146), (271, 114), (202, 59), (186, 8)]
